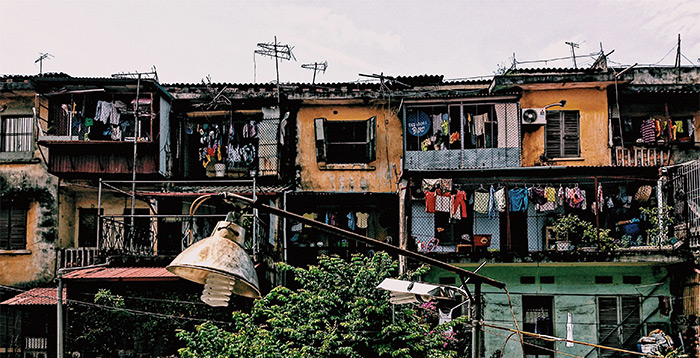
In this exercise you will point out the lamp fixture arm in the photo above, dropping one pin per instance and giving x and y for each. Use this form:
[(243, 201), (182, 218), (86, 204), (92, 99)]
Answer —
[(476, 278)]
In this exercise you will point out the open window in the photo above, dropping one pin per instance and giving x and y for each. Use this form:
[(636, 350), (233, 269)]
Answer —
[(346, 141), (562, 134)]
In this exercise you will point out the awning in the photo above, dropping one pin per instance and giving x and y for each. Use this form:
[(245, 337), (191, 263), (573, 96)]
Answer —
[(121, 274), (35, 297)]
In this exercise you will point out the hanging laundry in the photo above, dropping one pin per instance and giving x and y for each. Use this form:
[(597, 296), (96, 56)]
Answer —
[(648, 133), (424, 145), (551, 194), (600, 200), (454, 137), (561, 196), (445, 125), (352, 222), (481, 201), (443, 201), (500, 198), (518, 199), (479, 123), (437, 123), (362, 220), (430, 202), (459, 205), (569, 330), (492, 203), (103, 111), (446, 184), (537, 195)]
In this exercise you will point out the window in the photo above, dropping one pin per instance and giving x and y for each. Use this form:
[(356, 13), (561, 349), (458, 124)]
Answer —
[(16, 134), (13, 225), (618, 322), (562, 138), (537, 317), (344, 142)]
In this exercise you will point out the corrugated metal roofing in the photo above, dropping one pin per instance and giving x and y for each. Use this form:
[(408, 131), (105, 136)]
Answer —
[(35, 296), (121, 274)]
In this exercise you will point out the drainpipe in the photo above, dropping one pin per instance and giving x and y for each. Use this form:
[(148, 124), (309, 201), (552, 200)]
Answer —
[(403, 234)]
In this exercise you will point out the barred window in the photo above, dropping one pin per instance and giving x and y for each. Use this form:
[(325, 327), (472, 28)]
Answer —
[(16, 134)]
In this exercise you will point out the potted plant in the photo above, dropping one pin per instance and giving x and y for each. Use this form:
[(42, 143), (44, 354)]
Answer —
[(582, 234)]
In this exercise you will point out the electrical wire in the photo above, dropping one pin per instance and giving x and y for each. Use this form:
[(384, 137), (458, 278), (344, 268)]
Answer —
[(557, 339), (127, 310), (515, 319), (530, 344)]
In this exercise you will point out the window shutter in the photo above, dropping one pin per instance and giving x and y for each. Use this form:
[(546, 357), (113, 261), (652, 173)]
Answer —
[(371, 139), (570, 142), (607, 320), (4, 225), (13, 225), (629, 307), (319, 127), (552, 146), (18, 227)]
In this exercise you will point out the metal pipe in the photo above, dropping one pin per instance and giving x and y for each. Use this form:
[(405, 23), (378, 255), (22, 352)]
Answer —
[(133, 171), (99, 217), (59, 315), (366, 240)]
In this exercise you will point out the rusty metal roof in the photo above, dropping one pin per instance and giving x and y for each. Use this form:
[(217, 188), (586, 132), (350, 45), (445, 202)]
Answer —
[(35, 296), (121, 274)]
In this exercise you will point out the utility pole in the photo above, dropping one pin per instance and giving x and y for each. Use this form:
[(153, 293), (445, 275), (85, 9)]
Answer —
[(136, 127), (45, 56), (317, 67), (277, 51), (574, 46)]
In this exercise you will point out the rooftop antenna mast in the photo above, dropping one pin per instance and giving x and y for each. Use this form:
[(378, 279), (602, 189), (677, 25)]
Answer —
[(317, 67), (277, 51), (138, 76), (574, 46), (42, 56)]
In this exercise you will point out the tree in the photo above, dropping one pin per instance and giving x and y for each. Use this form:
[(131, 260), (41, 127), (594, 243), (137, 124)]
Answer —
[(337, 311)]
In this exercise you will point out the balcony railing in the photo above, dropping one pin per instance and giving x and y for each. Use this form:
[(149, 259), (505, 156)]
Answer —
[(641, 157), (484, 158), (77, 257), (120, 237)]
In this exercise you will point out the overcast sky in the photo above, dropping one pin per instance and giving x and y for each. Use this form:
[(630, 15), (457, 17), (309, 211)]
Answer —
[(188, 40)]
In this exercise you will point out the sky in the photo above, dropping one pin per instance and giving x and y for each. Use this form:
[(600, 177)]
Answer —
[(187, 41)]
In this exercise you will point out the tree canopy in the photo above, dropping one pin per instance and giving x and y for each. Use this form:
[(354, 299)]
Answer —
[(337, 311)]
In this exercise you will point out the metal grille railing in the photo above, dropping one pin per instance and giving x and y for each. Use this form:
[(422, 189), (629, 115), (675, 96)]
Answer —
[(78, 257), (119, 236), (685, 198), (268, 145), (491, 226)]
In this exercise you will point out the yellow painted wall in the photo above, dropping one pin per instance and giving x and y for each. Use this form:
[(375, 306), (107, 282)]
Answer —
[(73, 199), (592, 104), (381, 179), (37, 261)]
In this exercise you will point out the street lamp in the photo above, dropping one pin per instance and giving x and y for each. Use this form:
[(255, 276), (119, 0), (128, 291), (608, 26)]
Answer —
[(221, 264)]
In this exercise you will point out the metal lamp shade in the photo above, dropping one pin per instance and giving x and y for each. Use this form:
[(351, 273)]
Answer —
[(219, 258)]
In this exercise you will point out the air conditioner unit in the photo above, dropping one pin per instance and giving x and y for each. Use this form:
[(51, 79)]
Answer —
[(534, 116)]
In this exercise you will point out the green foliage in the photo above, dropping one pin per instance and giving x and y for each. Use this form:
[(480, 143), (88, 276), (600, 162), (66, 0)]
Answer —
[(658, 233), (582, 233), (113, 323), (336, 312)]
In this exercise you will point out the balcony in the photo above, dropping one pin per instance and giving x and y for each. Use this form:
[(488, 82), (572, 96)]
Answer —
[(641, 157)]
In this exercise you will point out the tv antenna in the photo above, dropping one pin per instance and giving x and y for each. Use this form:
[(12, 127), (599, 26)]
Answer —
[(42, 56), (317, 67), (152, 74), (277, 51), (574, 46)]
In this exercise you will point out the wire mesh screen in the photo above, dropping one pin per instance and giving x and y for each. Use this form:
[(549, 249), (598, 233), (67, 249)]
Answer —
[(462, 136), (268, 159), (465, 217)]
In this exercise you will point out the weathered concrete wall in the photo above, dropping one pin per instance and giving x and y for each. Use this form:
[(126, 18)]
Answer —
[(592, 104), (37, 261), (74, 198), (574, 290), (348, 178)]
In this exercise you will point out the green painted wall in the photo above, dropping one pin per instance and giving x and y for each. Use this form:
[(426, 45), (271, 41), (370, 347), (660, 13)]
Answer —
[(574, 290)]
